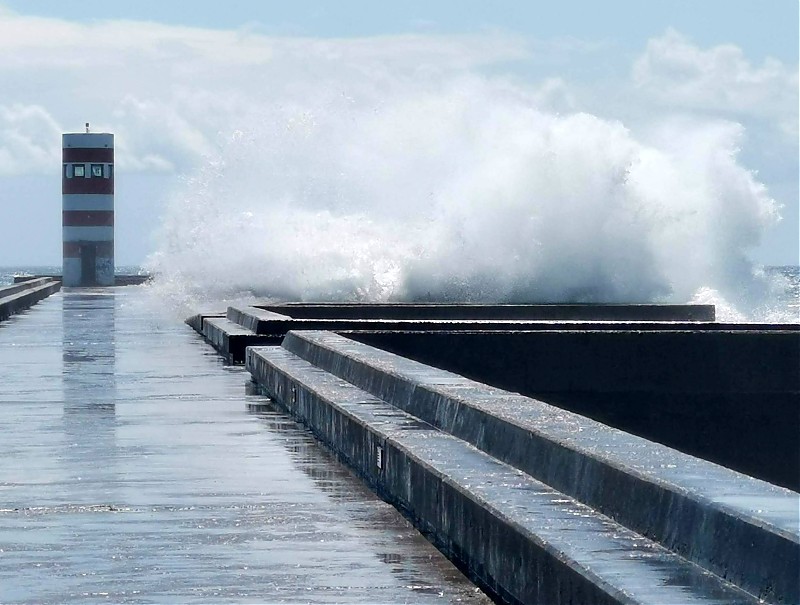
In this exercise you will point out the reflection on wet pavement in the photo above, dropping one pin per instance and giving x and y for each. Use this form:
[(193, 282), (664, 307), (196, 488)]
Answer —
[(136, 468)]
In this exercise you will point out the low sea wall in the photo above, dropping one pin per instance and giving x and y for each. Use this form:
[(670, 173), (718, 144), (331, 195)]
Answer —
[(537, 504), (20, 296), (248, 325), (610, 312)]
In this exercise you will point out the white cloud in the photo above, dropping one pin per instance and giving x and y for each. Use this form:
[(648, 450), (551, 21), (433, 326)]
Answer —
[(168, 91), (27, 133), (674, 71)]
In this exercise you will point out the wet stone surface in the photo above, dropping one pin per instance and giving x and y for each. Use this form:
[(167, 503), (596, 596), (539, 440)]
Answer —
[(136, 468)]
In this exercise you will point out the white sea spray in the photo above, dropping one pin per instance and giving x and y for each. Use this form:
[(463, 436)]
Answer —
[(467, 190)]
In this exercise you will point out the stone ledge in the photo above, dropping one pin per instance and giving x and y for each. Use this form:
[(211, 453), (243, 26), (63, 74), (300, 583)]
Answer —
[(259, 320), (230, 339)]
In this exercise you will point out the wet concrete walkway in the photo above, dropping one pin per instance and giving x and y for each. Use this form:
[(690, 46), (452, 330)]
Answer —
[(135, 468)]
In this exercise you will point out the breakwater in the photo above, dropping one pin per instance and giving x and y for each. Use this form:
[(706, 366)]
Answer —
[(725, 392), (538, 503)]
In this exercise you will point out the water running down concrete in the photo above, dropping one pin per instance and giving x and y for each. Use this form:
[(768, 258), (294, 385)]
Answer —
[(137, 469)]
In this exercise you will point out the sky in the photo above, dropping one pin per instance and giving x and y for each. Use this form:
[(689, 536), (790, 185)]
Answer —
[(176, 85)]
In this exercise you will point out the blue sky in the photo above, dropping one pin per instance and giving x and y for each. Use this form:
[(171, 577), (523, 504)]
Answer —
[(196, 76), (760, 28)]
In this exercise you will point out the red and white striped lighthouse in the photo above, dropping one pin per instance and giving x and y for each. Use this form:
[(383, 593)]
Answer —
[(88, 208)]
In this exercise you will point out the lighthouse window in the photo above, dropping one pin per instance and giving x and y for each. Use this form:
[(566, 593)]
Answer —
[(97, 170), (78, 170)]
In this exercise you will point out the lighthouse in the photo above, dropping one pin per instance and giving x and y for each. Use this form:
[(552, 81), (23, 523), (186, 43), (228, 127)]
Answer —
[(88, 208)]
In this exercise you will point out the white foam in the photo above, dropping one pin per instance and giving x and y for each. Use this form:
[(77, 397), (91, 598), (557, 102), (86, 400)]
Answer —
[(465, 191)]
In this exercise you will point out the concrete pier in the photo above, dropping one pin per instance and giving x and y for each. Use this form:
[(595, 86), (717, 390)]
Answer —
[(728, 393), (137, 468), (18, 297)]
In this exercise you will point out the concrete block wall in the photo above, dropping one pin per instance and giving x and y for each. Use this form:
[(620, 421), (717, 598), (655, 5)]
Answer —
[(523, 541)]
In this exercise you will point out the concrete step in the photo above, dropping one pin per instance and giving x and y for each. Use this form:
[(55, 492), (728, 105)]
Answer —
[(259, 321), (741, 529), (522, 540), (19, 297), (196, 320), (230, 339)]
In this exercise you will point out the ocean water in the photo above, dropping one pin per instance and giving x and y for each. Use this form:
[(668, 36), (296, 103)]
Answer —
[(779, 303), (787, 301), (7, 273)]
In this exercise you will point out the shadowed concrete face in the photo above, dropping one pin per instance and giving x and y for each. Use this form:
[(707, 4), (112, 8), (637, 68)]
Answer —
[(134, 471)]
